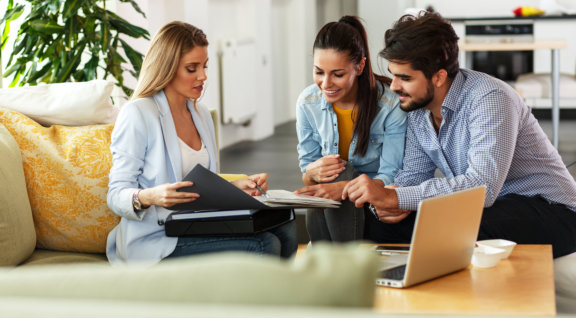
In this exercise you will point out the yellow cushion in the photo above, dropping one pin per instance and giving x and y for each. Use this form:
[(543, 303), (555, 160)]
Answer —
[(66, 170), (17, 236), (232, 176)]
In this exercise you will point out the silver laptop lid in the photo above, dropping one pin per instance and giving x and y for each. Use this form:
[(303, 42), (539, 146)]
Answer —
[(444, 235), (445, 231)]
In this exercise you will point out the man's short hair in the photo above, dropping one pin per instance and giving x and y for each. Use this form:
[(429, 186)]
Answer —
[(427, 41)]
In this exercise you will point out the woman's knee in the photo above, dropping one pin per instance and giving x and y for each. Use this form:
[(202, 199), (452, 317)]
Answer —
[(288, 236), (268, 243)]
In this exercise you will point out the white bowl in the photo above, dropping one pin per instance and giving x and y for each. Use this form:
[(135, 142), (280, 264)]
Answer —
[(506, 245), (487, 256)]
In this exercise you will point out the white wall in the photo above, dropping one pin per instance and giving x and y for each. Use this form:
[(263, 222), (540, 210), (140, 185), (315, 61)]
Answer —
[(283, 31), (293, 27), (379, 16)]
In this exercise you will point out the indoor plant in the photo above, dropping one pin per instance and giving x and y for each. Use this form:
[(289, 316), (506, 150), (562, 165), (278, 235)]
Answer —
[(70, 40)]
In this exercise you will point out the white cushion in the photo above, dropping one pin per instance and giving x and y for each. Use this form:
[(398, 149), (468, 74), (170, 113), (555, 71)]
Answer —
[(70, 104), (565, 281), (532, 85)]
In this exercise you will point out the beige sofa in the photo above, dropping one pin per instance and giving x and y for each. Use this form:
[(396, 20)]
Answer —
[(53, 211)]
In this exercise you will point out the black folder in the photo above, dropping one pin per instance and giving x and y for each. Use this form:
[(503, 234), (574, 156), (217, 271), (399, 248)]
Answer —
[(222, 209), (229, 222), (215, 193)]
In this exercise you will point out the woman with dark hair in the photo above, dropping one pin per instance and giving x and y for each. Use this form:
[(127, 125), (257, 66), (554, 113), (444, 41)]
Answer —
[(348, 123)]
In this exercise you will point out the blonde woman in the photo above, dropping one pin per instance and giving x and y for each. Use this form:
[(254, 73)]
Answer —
[(159, 136)]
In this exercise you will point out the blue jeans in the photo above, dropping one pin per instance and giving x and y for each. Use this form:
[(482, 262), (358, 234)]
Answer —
[(281, 241)]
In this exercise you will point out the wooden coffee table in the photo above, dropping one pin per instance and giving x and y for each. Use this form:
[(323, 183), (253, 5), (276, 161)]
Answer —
[(523, 284)]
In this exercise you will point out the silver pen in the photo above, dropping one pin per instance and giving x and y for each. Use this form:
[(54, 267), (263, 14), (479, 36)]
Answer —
[(260, 189)]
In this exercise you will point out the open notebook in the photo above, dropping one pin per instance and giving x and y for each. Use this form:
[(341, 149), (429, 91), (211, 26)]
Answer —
[(284, 197)]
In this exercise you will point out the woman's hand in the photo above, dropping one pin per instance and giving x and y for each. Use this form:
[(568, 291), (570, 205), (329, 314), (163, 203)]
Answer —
[(325, 169), (331, 191), (248, 184), (166, 195)]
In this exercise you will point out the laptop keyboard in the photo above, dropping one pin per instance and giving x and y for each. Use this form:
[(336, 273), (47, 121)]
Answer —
[(396, 273)]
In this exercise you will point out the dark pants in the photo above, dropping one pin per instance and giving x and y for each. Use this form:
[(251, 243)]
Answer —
[(342, 224), (524, 220)]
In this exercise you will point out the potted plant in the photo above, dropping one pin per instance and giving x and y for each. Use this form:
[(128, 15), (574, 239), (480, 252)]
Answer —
[(70, 40)]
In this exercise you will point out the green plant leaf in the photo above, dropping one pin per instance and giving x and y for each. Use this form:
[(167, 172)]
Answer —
[(133, 56), (67, 69), (90, 28), (54, 6), (135, 6), (15, 80), (15, 67), (124, 26), (104, 36), (13, 14), (46, 26), (34, 76), (4, 37), (71, 8), (55, 37)]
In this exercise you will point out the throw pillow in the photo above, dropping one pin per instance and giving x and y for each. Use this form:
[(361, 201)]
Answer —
[(71, 104), (17, 236), (66, 171)]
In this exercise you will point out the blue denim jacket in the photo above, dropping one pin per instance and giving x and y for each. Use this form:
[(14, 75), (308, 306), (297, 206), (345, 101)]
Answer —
[(317, 129)]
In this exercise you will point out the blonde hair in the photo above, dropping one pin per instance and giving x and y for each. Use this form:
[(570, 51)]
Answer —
[(161, 61)]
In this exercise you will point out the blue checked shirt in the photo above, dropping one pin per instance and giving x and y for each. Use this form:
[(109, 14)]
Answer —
[(488, 136)]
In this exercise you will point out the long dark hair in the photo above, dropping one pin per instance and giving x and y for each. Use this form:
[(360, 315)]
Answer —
[(427, 41), (348, 35)]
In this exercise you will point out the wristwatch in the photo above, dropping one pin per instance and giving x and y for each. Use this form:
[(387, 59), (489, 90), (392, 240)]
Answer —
[(372, 210), (136, 202)]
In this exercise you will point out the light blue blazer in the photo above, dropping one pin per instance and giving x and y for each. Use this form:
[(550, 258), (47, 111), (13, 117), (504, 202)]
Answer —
[(145, 153)]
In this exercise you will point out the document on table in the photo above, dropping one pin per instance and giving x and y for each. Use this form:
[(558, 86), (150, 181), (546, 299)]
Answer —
[(284, 197)]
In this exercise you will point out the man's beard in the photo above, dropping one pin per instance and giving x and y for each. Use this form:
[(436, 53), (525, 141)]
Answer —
[(415, 104)]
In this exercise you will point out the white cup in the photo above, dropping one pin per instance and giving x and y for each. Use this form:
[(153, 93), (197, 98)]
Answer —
[(506, 245), (487, 256)]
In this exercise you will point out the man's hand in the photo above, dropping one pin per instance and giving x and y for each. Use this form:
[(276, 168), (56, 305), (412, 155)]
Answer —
[(363, 189), (392, 215)]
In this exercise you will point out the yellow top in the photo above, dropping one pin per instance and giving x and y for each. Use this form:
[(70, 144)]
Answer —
[(345, 130)]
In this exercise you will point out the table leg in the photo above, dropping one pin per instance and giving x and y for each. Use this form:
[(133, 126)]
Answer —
[(555, 95)]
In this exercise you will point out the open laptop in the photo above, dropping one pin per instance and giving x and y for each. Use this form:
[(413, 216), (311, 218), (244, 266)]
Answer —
[(445, 232)]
